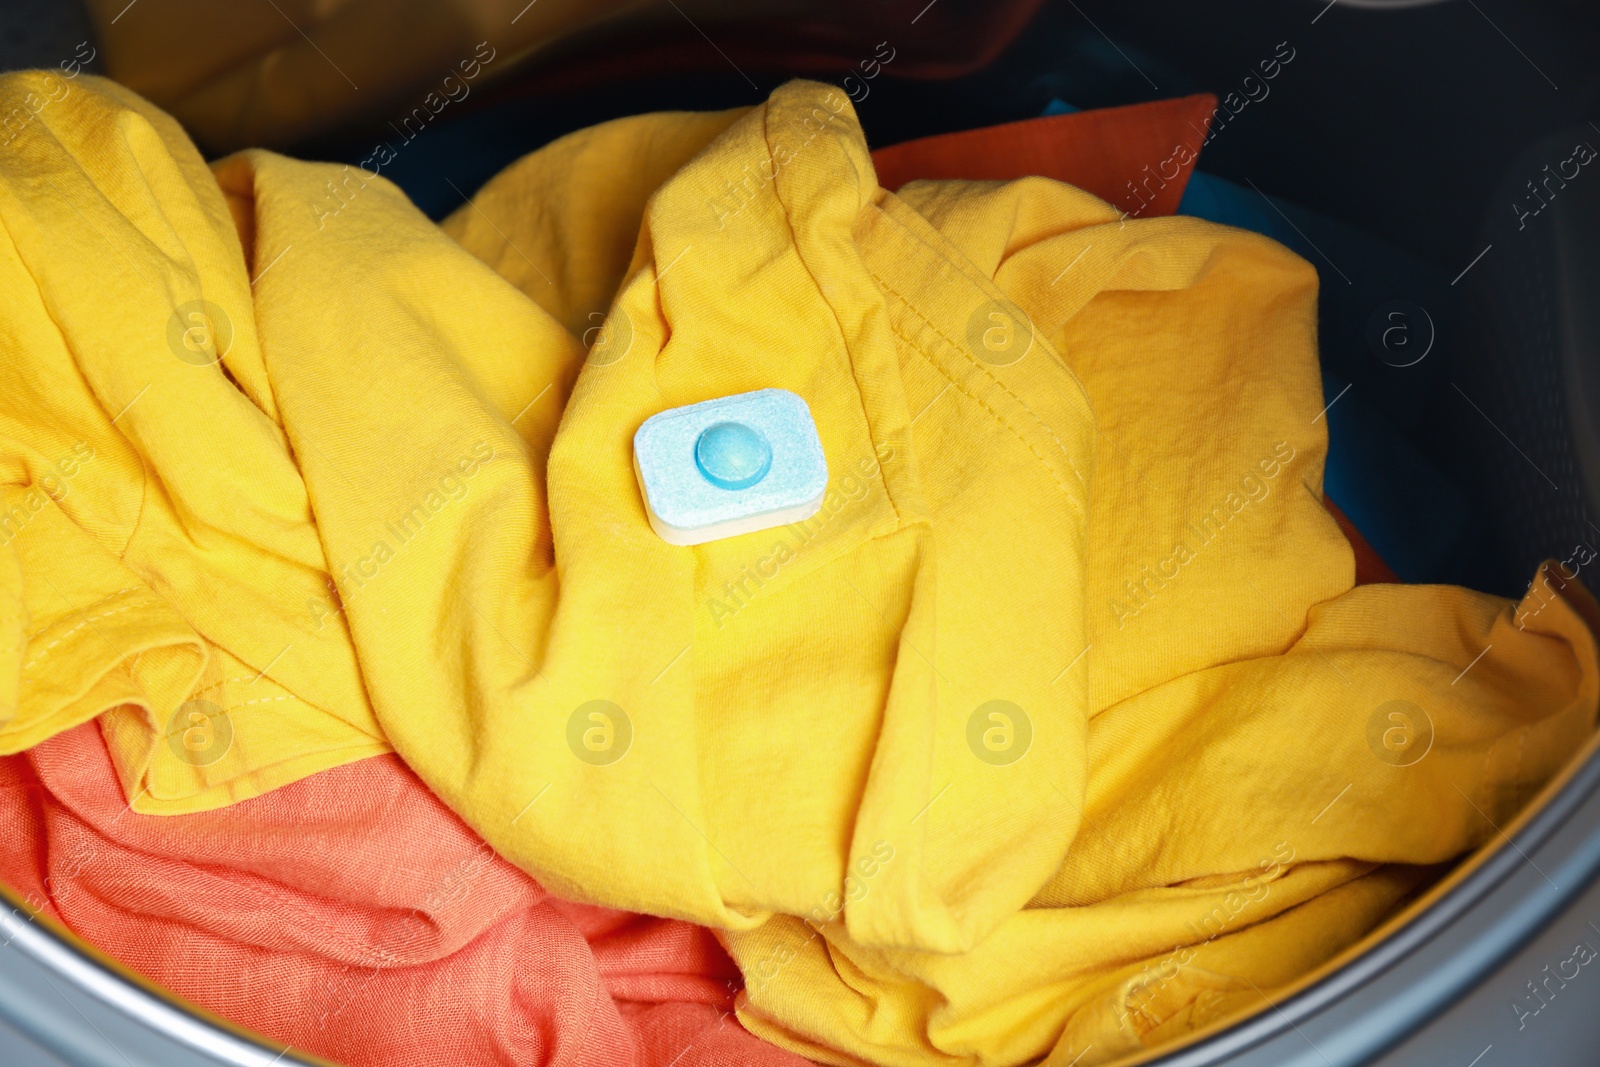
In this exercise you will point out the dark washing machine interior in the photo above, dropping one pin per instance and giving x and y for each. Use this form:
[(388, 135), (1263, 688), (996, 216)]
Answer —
[(1433, 126)]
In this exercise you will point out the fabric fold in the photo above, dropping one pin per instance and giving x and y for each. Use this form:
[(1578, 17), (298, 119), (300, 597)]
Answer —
[(153, 566), (1060, 725), (325, 912)]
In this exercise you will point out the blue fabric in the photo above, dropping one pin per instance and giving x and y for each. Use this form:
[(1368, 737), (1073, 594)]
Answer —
[(1417, 519), (1413, 515)]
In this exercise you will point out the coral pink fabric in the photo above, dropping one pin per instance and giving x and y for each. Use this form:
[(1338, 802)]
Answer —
[(353, 916)]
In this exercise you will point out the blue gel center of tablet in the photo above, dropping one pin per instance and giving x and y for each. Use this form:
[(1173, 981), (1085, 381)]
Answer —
[(732, 455)]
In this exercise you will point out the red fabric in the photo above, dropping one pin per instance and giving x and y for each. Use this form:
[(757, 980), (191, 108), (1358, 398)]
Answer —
[(1137, 157), (1370, 566), (826, 39), (353, 916)]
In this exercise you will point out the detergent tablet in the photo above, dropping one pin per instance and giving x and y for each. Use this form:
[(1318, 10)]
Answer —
[(729, 466)]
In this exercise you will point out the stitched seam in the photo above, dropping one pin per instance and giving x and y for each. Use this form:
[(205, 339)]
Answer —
[(86, 620), (944, 266), (805, 264), (259, 700), (986, 371), (219, 685), (1001, 419)]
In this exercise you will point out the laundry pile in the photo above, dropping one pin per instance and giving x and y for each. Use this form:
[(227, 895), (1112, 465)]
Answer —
[(351, 914), (1064, 728)]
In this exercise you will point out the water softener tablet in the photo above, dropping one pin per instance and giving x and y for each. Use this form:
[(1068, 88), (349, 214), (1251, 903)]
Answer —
[(730, 466)]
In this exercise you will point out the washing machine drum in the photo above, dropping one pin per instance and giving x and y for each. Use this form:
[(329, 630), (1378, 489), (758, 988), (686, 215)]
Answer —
[(1494, 964)]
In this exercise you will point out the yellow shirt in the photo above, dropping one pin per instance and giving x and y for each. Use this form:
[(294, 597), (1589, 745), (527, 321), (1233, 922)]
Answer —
[(1061, 720)]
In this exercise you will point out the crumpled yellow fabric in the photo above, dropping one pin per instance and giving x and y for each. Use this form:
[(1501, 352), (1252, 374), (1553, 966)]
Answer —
[(1059, 732)]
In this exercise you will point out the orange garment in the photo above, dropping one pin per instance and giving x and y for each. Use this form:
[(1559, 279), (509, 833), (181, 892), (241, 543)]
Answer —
[(1137, 157), (1370, 566), (324, 912)]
